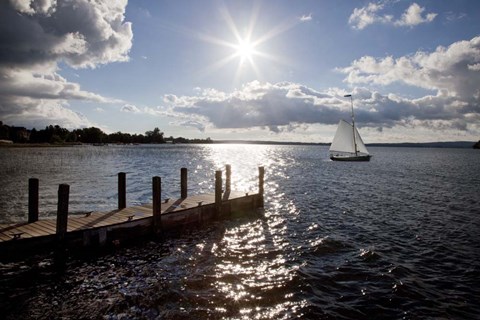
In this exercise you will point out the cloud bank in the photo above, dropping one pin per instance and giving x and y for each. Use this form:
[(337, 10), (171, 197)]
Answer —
[(453, 73), (35, 36), (371, 14)]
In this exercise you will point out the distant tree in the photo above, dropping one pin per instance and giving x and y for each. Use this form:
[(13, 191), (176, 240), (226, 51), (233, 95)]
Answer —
[(56, 139), (91, 135), (56, 134), (155, 136), (71, 137), (19, 134), (34, 136), (119, 137), (181, 140), (4, 131)]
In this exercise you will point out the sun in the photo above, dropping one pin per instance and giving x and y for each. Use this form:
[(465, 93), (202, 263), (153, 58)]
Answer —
[(245, 50), (247, 47)]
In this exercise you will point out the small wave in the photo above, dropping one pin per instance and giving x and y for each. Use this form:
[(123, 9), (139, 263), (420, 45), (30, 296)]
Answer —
[(327, 245), (369, 255)]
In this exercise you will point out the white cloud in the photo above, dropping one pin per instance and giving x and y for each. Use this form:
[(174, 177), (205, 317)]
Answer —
[(291, 107), (287, 106), (306, 17), (362, 17), (130, 108), (43, 83), (33, 6), (371, 14), (200, 126), (453, 16), (453, 70), (39, 113), (474, 67), (37, 35), (413, 16)]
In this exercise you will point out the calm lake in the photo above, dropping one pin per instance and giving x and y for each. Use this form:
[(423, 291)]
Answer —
[(396, 237)]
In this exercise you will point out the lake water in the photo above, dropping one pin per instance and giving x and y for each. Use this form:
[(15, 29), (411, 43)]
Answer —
[(396, 237)]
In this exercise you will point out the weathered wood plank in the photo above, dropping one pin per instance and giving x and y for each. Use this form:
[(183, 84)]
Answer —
[(4, 237), (32, 230), (47, 225), (26, 231), (75, 225)]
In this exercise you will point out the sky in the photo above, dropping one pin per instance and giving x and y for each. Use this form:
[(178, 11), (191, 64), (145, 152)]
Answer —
[(244, 70)]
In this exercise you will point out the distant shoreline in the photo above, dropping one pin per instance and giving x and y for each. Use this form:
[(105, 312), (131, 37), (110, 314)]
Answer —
[(444, 144), (441, 144), (37, 145)]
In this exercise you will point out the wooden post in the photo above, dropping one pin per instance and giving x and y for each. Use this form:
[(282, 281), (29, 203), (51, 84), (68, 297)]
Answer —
[(32, 200), (157, 204), (122, 191), (261, 176), (218, 192), (62, 211), (228, 175), (183, 183)]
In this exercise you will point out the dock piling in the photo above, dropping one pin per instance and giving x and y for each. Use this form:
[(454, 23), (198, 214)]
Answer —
[(62, 211), (159, 217), (157, 203), (183, 182), (261, 178), (32, 200), (122, 191), (218, 192), (228, 176)]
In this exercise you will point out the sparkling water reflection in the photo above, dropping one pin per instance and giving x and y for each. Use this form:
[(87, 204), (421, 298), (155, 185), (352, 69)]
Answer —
[(393, 238)]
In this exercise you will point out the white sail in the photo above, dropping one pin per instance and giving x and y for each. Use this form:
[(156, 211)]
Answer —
[(360, 145), (344, 142)]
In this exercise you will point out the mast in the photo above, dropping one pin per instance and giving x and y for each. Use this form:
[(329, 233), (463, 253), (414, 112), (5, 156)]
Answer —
[(353, 123)]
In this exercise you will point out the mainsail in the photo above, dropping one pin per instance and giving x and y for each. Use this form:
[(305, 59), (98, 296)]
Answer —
[(344, 141)]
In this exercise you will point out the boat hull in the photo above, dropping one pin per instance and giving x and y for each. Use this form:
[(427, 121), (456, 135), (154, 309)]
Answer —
[(350, 158)]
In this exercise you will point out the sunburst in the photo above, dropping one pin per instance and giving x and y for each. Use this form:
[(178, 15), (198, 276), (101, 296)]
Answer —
[(245, 50), (245, 46)]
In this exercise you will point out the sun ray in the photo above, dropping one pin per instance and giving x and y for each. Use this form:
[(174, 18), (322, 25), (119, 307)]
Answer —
[(245, 46)]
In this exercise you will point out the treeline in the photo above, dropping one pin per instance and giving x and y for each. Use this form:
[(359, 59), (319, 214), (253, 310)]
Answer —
[(58, 135)]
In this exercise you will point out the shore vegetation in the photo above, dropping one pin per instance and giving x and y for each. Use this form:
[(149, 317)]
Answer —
[(56, 135)]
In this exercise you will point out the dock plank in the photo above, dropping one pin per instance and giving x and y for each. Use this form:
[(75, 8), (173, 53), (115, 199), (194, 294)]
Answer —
[(48, 225), (44, 226), (27, 232), (34, 231), (75, 225), (4, 237)]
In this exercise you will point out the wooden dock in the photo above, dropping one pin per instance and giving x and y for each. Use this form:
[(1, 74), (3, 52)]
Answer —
[(101, 228)]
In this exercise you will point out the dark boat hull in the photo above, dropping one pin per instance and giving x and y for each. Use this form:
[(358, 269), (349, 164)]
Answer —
[(350, 158)]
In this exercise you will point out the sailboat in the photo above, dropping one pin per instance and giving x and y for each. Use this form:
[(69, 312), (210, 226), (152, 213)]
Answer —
[(347, 145)]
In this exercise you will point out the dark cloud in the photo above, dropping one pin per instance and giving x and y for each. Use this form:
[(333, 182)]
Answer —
[(285, 105), (260, 105), (81, 33), (35, 35)]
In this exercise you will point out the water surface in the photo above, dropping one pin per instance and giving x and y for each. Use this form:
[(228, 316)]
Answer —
[(396, 237)]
